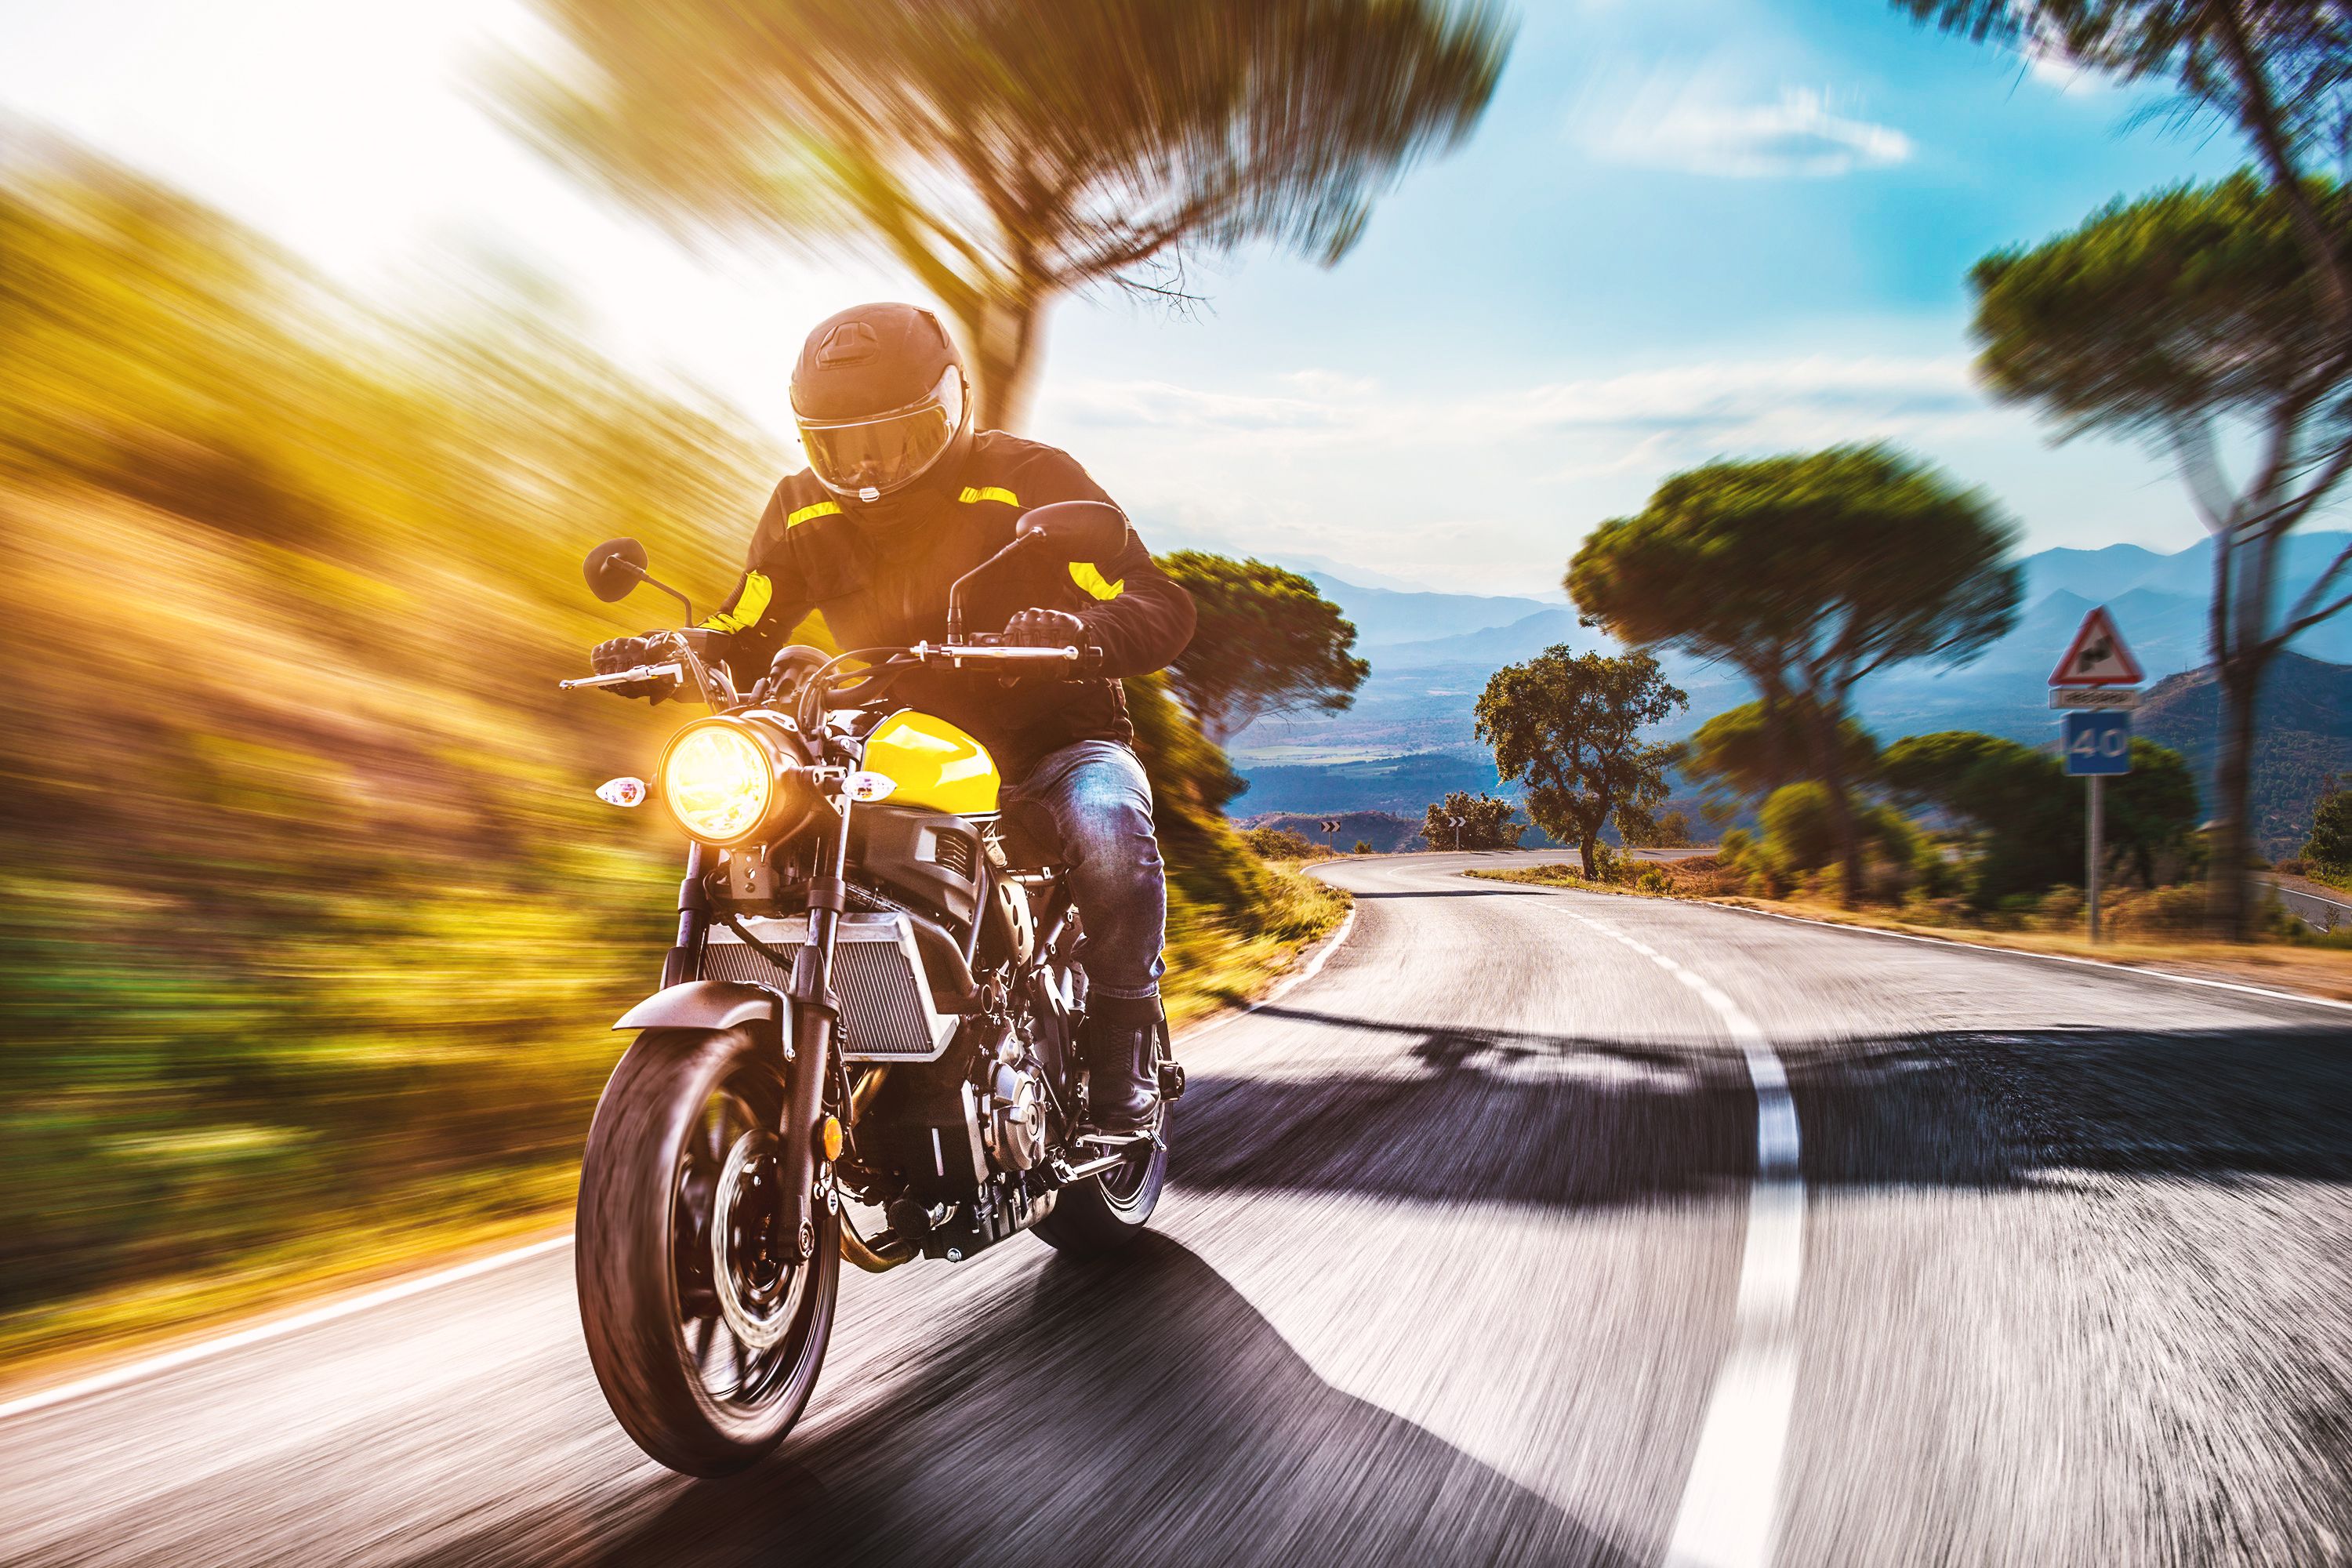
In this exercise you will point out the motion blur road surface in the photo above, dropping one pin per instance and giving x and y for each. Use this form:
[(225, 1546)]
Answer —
[(1457, 1266)]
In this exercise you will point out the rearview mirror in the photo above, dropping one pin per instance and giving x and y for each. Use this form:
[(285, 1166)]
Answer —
[(1076, 530), (614, 568)]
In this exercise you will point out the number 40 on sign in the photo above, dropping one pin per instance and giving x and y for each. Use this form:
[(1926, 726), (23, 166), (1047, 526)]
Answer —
[(2098, 744)]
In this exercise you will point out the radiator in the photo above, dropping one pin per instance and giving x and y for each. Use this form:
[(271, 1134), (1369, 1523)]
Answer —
[(885, 1004)]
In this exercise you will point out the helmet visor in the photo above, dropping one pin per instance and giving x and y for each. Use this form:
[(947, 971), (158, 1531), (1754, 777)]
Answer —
[(881, 453)]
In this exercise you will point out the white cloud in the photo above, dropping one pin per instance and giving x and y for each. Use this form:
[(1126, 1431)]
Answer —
[(1485, 491), (1798, 136), (1674, 412)]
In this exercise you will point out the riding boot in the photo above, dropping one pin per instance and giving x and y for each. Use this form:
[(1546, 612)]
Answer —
[(1120, 1043)]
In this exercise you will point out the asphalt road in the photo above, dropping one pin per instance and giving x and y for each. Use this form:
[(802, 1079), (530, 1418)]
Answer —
[(1469, 1258)]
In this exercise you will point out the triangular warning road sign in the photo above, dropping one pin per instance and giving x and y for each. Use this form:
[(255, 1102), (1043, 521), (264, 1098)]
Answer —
[(2097, 656)]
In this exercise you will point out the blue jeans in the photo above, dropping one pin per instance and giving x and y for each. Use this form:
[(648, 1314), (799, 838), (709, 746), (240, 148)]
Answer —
[(1092, 800)]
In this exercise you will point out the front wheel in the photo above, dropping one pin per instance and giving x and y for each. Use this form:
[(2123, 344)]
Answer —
[(706, 1325), (1105, 1213)]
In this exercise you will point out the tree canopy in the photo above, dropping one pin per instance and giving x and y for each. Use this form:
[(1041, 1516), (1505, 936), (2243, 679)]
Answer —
[(2278, 70), (1809, 570), (2026, 816), (2195, 317), (1570, 725), (1747, 751), (1267, 642), (1006, 152)]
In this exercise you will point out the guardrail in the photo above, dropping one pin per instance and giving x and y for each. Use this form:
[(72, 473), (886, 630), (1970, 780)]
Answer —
[(2318, 913)]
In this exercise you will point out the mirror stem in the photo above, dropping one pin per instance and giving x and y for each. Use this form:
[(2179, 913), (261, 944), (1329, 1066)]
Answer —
[(650, 580)]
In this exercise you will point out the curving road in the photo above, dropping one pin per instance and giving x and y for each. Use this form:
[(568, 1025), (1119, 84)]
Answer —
[(1539, 1226)]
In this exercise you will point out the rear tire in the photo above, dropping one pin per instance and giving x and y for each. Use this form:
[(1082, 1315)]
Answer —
[(707, 1371), (1106, 1213)]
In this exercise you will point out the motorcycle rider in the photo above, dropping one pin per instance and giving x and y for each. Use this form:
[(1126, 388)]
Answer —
[(901, 496)]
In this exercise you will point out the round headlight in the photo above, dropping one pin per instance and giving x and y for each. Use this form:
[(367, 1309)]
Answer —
[(718, 781)]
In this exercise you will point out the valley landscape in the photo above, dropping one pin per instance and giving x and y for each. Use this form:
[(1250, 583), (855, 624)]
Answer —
[(1408, 739)]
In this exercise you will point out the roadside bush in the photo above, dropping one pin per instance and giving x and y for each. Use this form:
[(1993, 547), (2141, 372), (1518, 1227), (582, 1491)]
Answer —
[(2062, 910), (2291, 866), (1653, 881), (1800, 832), (2330, 844), (1362, 848), (1734, 847), (2166, 911), (1280, 843)]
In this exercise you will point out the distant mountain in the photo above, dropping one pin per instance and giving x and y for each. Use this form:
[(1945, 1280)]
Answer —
[(1410, 729), (1493, 647), (2305, 740), (1384, 616)]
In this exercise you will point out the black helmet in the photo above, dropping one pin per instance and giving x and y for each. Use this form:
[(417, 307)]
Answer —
[(880, 397)]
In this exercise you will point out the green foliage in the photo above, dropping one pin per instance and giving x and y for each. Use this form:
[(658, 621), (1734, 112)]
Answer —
[(1670, 831), (308, 910), (1466, 821), (1569, 725), (1740, 752), (1810, 572), (1279, 844), (1362, 848), (1653, 881), (2194, 304), (2027, 816), (1800, 828), (1267, 642), (1007, 153), (2329, 848)]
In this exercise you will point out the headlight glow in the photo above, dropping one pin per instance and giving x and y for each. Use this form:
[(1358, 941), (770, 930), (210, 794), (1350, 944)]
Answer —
[(718, 781)]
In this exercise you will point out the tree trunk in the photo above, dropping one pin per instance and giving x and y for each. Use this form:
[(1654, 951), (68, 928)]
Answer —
[(1821, 725), (2229, 904), (1007, 341), (1590, 848)]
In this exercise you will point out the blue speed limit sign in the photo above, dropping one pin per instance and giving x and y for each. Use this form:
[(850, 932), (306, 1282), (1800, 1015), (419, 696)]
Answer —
[(2098, 742)]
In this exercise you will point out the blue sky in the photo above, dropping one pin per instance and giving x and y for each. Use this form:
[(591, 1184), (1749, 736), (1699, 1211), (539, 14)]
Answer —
[(1685, 230)]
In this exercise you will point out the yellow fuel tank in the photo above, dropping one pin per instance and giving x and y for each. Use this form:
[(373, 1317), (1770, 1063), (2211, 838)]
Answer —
[(932, 764)]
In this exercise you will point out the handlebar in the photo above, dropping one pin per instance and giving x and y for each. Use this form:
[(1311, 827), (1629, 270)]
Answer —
[(672, 671)]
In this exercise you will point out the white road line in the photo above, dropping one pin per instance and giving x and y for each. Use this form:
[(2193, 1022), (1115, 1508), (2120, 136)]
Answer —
[(1282, 987), (1731, 1504), (277, 1328)]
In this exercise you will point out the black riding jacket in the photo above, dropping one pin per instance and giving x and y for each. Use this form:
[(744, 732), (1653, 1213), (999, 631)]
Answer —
[(877, 589)]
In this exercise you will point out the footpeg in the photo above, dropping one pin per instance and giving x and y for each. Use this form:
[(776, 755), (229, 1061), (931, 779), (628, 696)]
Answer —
[(1171, 1080)]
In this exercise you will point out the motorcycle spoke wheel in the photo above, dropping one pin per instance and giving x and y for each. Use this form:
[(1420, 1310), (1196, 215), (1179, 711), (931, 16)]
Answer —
[(705, 1330)]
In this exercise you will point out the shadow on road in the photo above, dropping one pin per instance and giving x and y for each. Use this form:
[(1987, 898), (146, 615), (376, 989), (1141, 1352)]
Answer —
[(1134, 1410), (2007, 1108), (1559, 1120), (1480, 1115)]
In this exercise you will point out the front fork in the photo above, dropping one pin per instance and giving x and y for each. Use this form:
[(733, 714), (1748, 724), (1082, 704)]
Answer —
[(807, 1048)]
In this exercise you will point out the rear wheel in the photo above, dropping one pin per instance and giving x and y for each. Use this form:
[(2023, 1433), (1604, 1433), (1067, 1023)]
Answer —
[(706, 1324), (1105, 1213)]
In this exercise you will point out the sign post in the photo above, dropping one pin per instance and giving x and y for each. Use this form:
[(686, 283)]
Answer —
[(2095, 683), (1331, 827)]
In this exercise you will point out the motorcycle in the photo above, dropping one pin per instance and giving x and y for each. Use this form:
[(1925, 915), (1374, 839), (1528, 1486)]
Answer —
[(873, 1001)]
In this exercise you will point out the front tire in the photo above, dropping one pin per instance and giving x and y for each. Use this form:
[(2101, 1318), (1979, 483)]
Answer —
[(705, 1330)]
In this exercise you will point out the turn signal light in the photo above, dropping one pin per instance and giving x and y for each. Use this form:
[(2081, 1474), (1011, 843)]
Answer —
[(829, 1134)]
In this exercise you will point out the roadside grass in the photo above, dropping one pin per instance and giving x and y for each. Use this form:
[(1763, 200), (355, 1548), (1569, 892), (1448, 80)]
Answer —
[(1216, 961), (2313, 964)]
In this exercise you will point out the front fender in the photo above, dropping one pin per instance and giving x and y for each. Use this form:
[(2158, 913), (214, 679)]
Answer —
[(705, 1005)]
